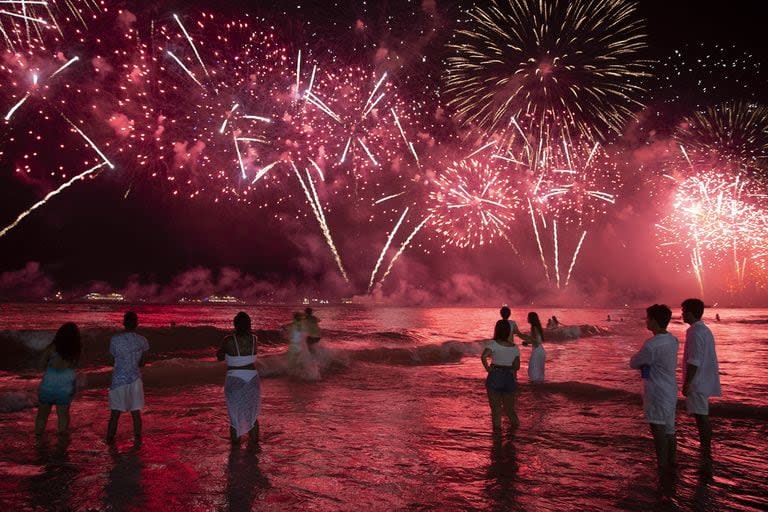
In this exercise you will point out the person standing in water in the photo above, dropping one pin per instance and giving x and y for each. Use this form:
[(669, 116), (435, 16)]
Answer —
[(701, 374), (58, 361), (501, 382), (312, 329), (296, 340), (538, 356), (505, 314), (657, 360), (126, 393), (242, 387)]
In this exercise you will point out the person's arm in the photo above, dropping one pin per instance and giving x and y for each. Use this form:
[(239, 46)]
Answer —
[(45, 357), (222, 350), (693, 360), (516, 364), (516, 330), (642, 358), (484, 359)]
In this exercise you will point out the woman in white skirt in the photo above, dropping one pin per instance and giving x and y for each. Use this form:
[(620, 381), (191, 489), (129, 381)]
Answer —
[(538, 356), (242, 387)]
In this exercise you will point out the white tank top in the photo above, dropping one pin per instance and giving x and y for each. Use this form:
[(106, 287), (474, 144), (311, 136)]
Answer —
[(502, 355)]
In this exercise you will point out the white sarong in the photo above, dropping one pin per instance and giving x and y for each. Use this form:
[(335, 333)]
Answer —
[(243, 392), (536, 364)]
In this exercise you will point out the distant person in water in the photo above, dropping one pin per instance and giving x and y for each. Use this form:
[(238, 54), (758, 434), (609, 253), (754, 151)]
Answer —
[(296, 340), (242, 387), (657, 361), (311, 328), (58, 362), (701, 374), (609, 318), (505, 313), (538, 356), (501, 382), (126, 394), (717, 317), (555, 322)]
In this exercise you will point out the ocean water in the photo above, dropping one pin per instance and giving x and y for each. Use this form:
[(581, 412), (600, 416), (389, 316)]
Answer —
[(398, 419)]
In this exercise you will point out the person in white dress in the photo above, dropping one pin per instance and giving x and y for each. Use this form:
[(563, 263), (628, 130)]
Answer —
[(242, 387), (538, 356)]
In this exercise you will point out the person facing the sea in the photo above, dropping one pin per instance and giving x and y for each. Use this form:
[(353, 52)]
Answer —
[(58, 362), (311, 328), (242, 387), (538, 356), (126, 393), (501, 382), (505, 313), (701, 374), (657, 360), (296, 342)]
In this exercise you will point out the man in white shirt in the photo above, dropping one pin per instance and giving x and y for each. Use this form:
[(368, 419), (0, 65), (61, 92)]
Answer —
[(505, 313), (657, 360), (701, 374), (126, 393)]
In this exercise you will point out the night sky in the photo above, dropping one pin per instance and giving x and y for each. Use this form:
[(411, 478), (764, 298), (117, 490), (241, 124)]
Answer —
[(93, 232)]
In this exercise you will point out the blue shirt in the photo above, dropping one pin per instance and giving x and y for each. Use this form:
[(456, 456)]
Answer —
[(127, 348)]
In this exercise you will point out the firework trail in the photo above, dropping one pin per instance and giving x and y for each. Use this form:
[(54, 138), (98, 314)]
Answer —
[(403, 247), (317, 209), (385, 248), (28, 24), (472, 203), (51, 195), (558, 65)]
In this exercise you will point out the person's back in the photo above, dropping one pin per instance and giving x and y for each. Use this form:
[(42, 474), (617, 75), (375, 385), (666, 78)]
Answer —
[(700, 352), (127, 349), (313, 327)]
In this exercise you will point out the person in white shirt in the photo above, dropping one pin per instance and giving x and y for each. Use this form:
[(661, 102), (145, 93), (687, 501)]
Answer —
[(126, 392), (701, 374), (501, 383), (657, 360)]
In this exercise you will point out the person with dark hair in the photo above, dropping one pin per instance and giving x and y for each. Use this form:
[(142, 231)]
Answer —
[(311, 328), (505, 313), (126, 393), (242, 387), (58, 361), (701, 374), (501, 382), (538, 356), (657, 360)]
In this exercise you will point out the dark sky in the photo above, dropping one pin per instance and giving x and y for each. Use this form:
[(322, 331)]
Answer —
[(93, 233)]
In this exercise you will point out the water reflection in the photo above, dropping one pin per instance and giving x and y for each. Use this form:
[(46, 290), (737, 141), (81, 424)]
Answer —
[(51, 489), (502, 471), (124, 490), (245, 481)]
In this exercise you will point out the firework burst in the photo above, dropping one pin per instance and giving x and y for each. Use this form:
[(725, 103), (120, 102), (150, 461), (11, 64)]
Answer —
[(568, 66), (735, 131), (715, 216), (472, 204), (29, 24)]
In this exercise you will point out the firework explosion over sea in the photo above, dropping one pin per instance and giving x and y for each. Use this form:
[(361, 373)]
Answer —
[(403, 151)]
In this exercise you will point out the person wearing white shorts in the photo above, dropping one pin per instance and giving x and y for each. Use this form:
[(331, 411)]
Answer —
[(657, 361), (126, 394), (701, 373)]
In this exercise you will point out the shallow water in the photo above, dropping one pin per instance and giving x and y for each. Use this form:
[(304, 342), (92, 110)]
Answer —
[(399, 420)]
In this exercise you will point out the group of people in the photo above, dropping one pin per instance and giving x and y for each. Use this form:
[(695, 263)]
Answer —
[(501, 382), (128, 349), (126, 392), (657, 362)]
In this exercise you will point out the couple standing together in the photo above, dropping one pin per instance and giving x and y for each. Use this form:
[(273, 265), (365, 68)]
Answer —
[(657, 362), (59, 361), (501, 382)]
